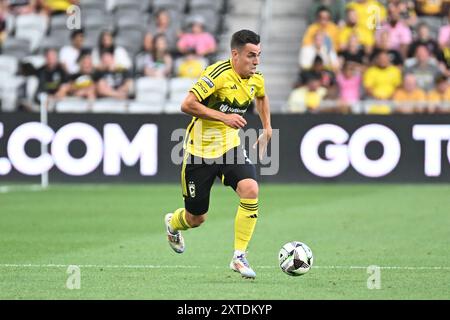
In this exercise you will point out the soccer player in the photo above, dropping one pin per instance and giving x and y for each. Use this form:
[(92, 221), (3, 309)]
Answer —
[(217, 103)]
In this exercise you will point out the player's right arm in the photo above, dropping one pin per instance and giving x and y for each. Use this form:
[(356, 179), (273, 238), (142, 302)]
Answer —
[(193, 107), (209, 82)]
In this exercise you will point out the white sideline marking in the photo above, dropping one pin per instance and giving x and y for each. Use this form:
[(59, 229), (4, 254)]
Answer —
[(6, 189), (198, 267)]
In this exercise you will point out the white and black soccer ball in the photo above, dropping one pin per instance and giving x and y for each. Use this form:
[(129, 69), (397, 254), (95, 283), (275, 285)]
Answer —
[(295, 258)]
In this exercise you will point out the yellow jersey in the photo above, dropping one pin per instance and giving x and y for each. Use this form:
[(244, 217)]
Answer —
[(220, 88)]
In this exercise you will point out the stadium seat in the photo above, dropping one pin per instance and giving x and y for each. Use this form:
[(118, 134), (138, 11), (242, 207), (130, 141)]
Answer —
[(9, 64), (18, 48), (109, 106), (37, 61), (179, 88), (57, 39), (172, 108), (144, 107), (32, 27), (177, 5), (90, 5), (210, 16), (138, 5), (72, 104), (58, 22), (152, 91), (133, 20), (215, 5), (131, 40), (9, 91)]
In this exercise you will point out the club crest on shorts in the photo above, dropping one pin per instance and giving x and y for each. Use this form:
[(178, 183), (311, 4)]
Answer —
[(191, 187)]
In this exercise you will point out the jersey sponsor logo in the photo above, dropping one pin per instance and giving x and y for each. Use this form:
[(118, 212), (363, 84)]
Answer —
[(234, 87), (208, 82), (227, 109)]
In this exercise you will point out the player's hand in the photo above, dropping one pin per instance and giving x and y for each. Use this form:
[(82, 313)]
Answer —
[(263, 141), (235, 121)]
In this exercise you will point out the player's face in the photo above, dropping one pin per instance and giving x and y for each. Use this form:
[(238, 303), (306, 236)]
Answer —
[(247, 59)]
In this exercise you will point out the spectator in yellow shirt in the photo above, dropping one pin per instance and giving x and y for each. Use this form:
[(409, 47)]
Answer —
[(371, 13), (326, 25), (307, 98), (409, 98), (439, 98), (366, 37), (382, 79), (54, 7)]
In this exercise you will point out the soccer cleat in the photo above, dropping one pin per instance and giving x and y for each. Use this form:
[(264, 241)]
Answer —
[(240, 264), (176, 240)]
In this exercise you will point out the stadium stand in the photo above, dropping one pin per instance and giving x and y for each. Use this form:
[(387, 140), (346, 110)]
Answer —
[(290, 30)]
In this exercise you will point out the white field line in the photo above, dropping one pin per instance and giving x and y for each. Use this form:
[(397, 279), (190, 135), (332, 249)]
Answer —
[(33, 188), (94, 266)]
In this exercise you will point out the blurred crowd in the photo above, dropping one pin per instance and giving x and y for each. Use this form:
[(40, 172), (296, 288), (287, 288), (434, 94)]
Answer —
[(116, 43), (375, 57)]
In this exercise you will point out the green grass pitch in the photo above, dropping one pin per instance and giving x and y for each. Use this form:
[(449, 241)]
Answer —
[(115, 234)]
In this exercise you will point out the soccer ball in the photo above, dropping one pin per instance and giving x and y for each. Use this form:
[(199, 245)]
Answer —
[(295, 258)]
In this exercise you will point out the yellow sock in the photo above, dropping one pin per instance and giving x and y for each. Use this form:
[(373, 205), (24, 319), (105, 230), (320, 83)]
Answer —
[(245, 222), (178, 221)]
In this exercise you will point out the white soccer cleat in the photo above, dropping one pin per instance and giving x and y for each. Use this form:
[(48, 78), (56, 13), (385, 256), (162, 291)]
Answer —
[(240, 264), (176, 240)]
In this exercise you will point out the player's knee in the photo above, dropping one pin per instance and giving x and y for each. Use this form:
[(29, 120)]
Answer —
[(248, 189), (195, 220)]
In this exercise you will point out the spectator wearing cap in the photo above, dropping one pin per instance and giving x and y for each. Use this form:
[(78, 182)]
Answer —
[(68, 55), (198, 39), (106, 43), (409, 98), (382, 79), (82, 83), (318, 48), (424, 67)]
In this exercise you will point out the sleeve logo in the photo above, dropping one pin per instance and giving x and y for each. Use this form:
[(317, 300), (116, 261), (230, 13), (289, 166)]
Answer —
[(208, 82)]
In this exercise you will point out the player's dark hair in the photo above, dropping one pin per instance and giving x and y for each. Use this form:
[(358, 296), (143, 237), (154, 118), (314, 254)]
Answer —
[(242, 37)]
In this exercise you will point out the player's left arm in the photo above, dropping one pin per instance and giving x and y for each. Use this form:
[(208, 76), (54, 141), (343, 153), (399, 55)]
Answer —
[(263, 107)]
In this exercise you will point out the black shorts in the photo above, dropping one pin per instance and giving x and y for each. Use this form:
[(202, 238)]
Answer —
[(198, 175)]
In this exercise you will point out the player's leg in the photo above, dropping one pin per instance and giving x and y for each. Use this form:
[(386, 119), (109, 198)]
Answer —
[(196, 180), (242, 178), (247, 213)]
